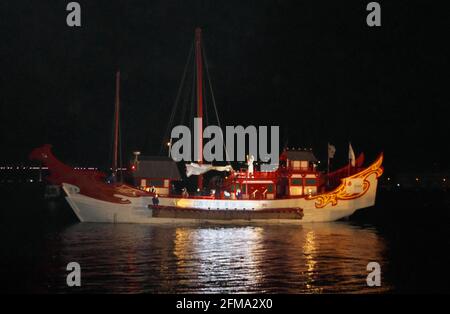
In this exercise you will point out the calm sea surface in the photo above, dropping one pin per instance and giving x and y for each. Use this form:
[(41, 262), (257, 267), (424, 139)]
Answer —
[(37, 244), (141, 258)]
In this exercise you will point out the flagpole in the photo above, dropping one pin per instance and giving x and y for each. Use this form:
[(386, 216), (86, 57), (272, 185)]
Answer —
[(349, 159), (328, 165), (348, 172)]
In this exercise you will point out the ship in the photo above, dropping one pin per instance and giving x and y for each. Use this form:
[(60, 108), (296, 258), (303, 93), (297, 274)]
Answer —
[(293, 192)]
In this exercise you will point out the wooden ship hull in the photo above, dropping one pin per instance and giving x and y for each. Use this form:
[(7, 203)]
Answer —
[(355, 192)]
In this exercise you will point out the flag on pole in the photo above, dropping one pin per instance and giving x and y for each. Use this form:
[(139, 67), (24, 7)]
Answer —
[(331, 151), (351, 155)]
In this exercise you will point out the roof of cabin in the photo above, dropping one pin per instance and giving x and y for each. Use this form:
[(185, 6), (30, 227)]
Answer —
[(301, 155), (157, 167)]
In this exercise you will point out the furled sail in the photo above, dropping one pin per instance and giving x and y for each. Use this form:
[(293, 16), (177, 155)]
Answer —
[(197, 169)]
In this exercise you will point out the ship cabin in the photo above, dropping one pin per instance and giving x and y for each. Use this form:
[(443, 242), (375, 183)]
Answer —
[(256, 185), (295, 176), (298, 173), (154, 174)]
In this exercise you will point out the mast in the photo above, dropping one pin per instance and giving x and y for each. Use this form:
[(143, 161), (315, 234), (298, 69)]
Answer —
[(116, 126), (198, 61)]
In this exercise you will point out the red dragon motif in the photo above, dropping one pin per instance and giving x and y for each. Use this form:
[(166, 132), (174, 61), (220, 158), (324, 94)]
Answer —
[(90, 182)]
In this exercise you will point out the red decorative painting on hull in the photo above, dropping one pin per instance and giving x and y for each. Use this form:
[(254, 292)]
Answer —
[(340, 192), (90, 182)]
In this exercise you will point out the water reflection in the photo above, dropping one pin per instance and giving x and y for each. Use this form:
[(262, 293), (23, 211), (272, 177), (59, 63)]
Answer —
[(309, 248), (218, 256), (329, 257)]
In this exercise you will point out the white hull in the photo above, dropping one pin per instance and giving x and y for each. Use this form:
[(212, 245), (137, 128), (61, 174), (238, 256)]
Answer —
[(88, 209)]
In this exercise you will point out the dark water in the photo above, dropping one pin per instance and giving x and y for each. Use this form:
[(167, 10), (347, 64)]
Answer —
[(38, 240), (140, 258)]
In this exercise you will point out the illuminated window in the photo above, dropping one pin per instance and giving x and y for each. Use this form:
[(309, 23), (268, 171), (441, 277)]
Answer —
[(159, 183), (239, 186)]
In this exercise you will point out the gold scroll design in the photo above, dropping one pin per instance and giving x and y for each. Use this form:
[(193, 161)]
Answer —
[(340, 192)]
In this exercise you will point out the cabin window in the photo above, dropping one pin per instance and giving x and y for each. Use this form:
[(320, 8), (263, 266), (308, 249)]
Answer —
[(155, 183), (310, 181), (296, 181), (238, 186), (270, 188), (295, 190), (295, 164), (304, 164)]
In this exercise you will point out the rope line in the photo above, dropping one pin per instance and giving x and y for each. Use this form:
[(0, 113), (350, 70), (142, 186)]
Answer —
[(177, 99)]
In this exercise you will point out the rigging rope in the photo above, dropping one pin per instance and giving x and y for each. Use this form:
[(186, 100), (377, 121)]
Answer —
[(177, 99), (192, 101), (214, 102)]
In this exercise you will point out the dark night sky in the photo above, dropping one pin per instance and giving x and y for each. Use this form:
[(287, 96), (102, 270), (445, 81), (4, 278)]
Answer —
[(313, 67)]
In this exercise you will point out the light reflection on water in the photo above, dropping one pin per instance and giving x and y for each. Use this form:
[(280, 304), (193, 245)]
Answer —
[(323, 258)]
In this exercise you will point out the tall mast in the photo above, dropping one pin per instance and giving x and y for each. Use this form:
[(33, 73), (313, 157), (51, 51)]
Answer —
[(116, 126), (198, 60)]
